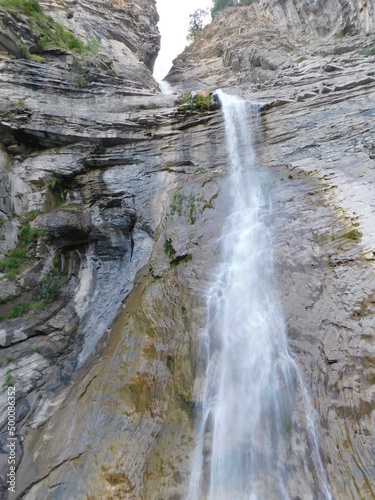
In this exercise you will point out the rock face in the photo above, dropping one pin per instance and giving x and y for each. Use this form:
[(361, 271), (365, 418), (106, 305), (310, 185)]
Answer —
[(314, 72), (108, 187)]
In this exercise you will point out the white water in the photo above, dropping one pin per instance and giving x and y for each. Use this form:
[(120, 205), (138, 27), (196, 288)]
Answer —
[(252, 382), (165, 88)]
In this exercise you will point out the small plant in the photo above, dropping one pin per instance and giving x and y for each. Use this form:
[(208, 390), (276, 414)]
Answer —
[(300, 59), (199, 102), (6, 361), (199, 170), (24, 51), (100, 149), (54, 182), (19, 310), (6, 299), (369, 51), (49, 287), (59, 200), (10, 115), (190, 206), (37, 58), (9, 380), (79, 81), (168, 249), (353, 235), (39, 396), (31, 215), (34, 350), (11, 265)]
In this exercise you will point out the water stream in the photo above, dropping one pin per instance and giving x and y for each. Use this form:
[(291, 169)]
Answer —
[(247, 447)]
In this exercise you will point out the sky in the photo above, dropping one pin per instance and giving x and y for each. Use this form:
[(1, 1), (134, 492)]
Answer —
[(173, 25)]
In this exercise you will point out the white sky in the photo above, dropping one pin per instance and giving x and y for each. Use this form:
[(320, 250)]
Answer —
[(173, 25)]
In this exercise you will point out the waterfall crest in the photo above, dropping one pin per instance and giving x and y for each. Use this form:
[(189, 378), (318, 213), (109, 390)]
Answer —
[(252, 383)]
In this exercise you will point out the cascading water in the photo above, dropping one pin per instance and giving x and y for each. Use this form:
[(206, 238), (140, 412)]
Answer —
[(247, 447)]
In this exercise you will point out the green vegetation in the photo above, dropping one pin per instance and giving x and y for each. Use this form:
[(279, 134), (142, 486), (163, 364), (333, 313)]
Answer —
[(190, 206), (300, 59), (6, 299), (37, 58), (199, 102), (56, 186), (224, 4), (199, 170), (100, 149), (47, 292), (31, 215), (54, 182), (6, 361), (53, 35), (19, 310), (353, 235), (11, 265), (197, 21), (168, 249), (369, 51), (34, 350), (50, 285), (79, 81), (9, 380)]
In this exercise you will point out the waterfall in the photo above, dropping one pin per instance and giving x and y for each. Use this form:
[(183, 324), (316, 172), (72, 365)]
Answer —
[(247, 447)]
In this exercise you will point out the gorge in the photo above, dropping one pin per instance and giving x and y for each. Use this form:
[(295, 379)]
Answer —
[(114, 199)]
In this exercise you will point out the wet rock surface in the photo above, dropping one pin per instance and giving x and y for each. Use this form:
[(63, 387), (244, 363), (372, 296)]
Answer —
[(110, 188), (316, 80)]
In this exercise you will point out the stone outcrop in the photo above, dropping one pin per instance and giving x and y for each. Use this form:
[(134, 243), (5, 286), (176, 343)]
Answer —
[(108, 187)]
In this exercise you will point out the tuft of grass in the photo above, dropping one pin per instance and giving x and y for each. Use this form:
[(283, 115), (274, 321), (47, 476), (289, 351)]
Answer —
[(79, 81), (11, 265), (168, 249), (19, 310), (34, 350), (54, 182), (9, 380), (6, 299), (49, 287), (353, 235), (300, 59), (31, 215), (199, 170), (37, 58), (6, 361)]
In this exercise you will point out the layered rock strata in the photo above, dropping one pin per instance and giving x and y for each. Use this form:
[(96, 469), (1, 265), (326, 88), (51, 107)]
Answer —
[(108, 186), (315, 76)]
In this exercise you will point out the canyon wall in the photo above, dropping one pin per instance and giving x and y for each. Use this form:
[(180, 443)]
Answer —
[(112, 201)]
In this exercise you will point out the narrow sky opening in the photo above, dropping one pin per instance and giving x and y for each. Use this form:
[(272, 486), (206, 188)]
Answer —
[(173, 26)]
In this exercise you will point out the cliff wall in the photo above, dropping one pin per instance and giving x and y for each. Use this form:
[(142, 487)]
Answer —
[(112, 202)]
